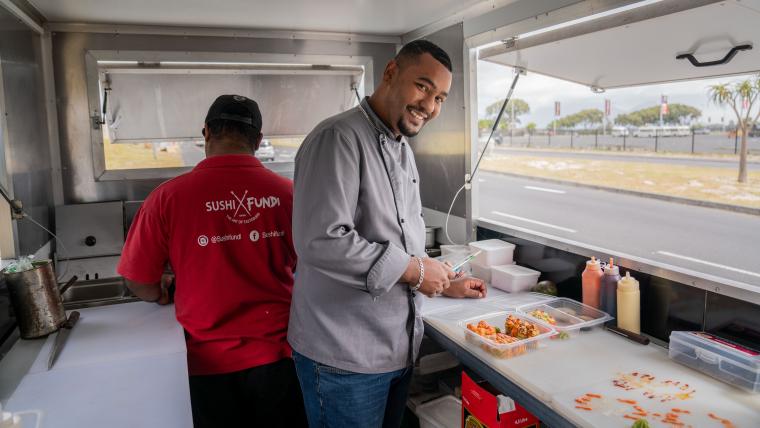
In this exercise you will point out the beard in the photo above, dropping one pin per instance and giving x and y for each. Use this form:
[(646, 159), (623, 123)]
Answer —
[(405, 130)]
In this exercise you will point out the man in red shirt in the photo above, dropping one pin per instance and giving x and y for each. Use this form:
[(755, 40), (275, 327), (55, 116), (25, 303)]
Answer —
[(225, 229)]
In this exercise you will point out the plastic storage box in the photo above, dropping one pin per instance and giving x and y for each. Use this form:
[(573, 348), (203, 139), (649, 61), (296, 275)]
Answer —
[(514, 278), (570, 317), (512, 301), (444, 412), (505, 350), (717, 357), (447, 249), (494, 252), (480, 271)]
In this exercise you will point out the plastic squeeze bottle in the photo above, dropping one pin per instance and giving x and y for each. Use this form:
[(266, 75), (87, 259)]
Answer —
[(591, 280), (608, 289), (629, 304)]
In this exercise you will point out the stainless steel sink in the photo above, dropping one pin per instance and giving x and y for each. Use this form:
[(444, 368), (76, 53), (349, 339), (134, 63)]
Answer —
[(97, 293)]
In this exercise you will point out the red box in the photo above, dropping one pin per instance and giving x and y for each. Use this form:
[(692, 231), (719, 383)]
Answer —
[(484, 407)]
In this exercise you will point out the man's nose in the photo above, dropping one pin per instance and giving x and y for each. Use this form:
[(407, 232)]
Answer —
[(428, 105)]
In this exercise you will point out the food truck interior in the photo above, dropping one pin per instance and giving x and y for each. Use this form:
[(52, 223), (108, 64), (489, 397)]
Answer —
[(101, 101)]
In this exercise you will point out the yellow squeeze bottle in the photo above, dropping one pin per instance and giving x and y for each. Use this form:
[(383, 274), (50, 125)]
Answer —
[(629, 304)]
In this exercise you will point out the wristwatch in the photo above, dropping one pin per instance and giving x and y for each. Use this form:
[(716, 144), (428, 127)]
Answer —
[(422, 275)]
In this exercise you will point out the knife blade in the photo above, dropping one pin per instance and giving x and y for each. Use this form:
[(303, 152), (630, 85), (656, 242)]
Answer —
[(60, 339)]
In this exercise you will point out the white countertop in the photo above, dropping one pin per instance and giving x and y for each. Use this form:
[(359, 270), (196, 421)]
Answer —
[(562, 370), (122, 366)]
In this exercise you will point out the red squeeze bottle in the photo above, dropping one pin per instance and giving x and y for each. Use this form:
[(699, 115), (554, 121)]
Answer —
[(591, 280)]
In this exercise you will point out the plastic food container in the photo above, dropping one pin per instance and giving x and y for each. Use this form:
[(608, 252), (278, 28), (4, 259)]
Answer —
[(444, 412), (513, 301), (570, 317), (717, 357), (505, 350), (480, 271), (494, 252), (447, 249), (514, 278)]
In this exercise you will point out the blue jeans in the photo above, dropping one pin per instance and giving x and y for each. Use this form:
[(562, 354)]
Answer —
[(336, 398)]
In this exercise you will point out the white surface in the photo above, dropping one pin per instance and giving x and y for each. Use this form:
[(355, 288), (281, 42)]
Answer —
[(644, 52), (561, 367), (444, 412), (710, 397), (141, 392), (514, 278), (122, 366), (116, 332), (493, 252), (393, 17)]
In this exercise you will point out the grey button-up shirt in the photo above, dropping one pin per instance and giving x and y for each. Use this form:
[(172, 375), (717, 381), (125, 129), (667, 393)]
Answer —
[(357, 219)]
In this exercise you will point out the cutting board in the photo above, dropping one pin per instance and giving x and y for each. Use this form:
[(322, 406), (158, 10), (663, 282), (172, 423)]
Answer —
[(116, 332), (495, 300), (709, 396), (150, 391)]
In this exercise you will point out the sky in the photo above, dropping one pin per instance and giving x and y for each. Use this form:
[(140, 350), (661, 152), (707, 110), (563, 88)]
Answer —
[(541, 92)]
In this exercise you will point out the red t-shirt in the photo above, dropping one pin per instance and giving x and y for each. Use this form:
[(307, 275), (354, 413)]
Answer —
[(225, 228)]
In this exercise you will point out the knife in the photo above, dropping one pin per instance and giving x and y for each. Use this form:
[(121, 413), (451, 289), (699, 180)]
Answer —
[(60, 339)]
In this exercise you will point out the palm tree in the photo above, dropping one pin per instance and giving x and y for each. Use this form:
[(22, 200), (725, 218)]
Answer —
[(741, 97)]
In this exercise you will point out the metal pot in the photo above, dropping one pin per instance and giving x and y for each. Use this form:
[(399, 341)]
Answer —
[(430, 236), (36, 299)]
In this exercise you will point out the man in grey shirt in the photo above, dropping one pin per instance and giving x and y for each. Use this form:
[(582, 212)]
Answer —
[(355, 323)]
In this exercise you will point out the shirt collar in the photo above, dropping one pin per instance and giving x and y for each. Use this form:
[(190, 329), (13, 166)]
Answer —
[(379, 124), (229, 160)]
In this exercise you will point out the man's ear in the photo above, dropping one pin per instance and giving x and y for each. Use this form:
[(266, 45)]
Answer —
[(206, 134), (258, 142), (391, 70)]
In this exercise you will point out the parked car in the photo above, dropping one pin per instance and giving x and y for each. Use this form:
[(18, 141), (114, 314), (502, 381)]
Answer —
[(265, 151), (620, 131)]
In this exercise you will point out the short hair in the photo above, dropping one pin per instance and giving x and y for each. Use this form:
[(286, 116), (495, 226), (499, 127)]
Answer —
[(219, 128), (420, 47)]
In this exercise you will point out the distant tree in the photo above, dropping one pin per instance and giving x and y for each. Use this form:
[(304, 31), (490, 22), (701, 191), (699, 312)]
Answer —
[(585, 118), (531, 128), (742, 97), (485, 124), (677, 114), (520, 108)]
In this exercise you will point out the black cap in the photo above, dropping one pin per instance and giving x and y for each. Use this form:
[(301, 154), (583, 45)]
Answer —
[(237, 108)]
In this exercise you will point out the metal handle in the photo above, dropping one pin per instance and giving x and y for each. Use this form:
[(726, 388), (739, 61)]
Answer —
[(68, 284), (73, 318), (725, 60)]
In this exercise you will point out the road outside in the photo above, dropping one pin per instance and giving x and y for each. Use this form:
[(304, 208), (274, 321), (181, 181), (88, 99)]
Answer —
[(708, 240)]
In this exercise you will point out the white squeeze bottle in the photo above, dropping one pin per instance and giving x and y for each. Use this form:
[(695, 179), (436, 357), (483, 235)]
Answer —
[(629, 304)]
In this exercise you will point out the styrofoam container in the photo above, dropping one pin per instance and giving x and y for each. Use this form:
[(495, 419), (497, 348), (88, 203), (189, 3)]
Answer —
[(505, 350), (724, 360), (493, 252), (481, 272), (570, 317), (451, 249), (514, 278), (444, 412)]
